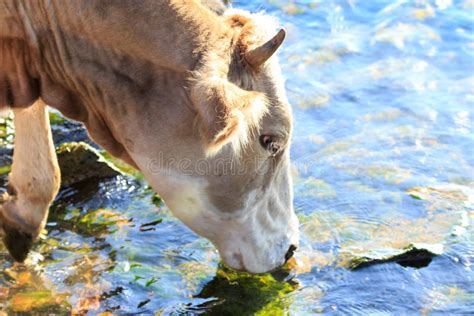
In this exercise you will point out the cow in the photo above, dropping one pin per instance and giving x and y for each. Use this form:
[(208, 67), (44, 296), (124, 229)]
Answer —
[(193, 99)]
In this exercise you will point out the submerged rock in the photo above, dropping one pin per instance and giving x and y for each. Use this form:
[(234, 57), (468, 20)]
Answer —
[(414, 255), (362, 242), (447, 196), (80, 161)]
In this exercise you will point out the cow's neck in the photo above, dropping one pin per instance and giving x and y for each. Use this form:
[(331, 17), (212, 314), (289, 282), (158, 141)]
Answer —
[(88, 38), (96, 59)]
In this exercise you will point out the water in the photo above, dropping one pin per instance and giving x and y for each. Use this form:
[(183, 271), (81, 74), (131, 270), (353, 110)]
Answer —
[(383, 96)]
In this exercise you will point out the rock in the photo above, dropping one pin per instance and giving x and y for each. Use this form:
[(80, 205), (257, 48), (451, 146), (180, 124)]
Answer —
[(80, 161), (416, 255), (77, 157), (65, 131), (77, 161), (448, 196)]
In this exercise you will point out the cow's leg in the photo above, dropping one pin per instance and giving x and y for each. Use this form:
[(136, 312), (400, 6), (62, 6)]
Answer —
[(33, 181)]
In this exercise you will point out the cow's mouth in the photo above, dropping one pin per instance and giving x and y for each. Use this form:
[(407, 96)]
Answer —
[(17, 241)]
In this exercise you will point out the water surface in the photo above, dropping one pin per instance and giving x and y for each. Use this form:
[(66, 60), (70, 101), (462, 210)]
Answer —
[(383, 99)]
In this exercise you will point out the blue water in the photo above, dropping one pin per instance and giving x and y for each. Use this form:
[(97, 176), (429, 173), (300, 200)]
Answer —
[(383, 101), (383, 96)]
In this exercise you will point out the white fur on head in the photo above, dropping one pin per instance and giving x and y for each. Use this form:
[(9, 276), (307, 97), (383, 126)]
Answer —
[(265, 24)]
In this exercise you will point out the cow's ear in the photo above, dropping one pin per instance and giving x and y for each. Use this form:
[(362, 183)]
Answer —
[(226, 113)]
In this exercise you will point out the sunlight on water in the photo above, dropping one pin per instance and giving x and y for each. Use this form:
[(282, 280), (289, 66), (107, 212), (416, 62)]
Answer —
[(383, 99)]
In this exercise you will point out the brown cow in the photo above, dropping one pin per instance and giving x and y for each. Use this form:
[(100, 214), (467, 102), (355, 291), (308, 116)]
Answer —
[(192, 99)]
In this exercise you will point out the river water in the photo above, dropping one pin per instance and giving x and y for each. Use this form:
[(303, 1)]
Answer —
[(383, 101)]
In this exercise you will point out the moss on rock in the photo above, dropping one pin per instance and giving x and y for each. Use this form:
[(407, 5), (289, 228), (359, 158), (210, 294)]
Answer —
[(80, 161)]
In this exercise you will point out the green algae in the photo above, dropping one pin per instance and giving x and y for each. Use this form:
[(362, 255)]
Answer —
[(91, 223), (240, 293), (56, 118), (28, 293), (6, 131), (37, 301), (5, 170)]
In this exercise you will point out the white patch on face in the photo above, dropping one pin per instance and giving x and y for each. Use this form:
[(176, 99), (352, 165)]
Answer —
[(250, 239), (266, 236)]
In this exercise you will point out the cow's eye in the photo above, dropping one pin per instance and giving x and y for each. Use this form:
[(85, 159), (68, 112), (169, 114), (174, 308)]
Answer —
[(270, 143)]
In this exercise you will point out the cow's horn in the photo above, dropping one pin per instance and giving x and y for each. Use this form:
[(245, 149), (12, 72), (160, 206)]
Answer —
[(257, 56)]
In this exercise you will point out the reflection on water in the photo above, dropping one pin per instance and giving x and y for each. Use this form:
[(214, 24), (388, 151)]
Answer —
[(383, 158)]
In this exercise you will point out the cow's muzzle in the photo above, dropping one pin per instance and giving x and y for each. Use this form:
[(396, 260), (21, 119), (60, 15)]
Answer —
[(17, 241)]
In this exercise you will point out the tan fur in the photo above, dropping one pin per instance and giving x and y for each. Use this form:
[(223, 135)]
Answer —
[(237, 20), (155, 82)]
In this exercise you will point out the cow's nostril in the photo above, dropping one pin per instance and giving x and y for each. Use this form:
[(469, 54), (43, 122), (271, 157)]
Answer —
[(290, 252)]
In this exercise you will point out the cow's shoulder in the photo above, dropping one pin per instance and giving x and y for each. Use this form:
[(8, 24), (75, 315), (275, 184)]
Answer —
[(18, 86)]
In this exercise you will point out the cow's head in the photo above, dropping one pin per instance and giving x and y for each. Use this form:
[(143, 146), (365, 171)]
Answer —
[(213, 141), (223, 166), (244, 121)]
